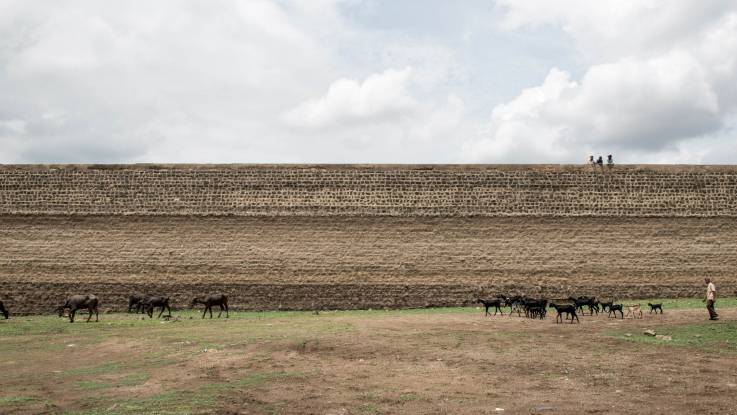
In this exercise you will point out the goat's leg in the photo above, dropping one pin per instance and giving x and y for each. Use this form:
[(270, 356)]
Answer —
[(72, 311), (161, 312), (90, 316), (204, 312), (579, 321), (221, 310), (209, 307), (227, 313)]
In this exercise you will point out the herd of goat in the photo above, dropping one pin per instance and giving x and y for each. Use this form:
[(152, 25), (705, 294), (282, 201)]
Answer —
[(570, 308), (140, 303)]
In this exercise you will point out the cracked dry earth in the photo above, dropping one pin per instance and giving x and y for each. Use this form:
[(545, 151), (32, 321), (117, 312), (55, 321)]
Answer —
[(396, 362)]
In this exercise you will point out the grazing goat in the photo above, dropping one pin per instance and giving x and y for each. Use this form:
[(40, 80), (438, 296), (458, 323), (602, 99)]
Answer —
[(634, 310), (589, 302), (537, 311), (137, 300), (613, 308), (80, 302), (605, 305), (211, 300), (515, 303), (497, 303), (157, 301), (4, 310), (535, 308), (656, 307), (568, 309)]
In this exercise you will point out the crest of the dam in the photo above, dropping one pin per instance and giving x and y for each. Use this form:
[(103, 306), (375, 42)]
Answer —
[(360, 236)]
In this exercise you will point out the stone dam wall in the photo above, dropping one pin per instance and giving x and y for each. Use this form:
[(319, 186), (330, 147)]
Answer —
[(337, 237)]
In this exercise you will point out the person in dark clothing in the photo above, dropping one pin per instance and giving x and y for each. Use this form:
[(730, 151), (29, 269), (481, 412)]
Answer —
[(610, 161), (600, 161)]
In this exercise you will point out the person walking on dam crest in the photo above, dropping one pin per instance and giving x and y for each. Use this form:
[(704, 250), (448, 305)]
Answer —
[(711, 297)]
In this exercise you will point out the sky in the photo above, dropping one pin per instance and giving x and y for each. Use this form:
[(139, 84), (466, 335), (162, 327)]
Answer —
[(368, 81)]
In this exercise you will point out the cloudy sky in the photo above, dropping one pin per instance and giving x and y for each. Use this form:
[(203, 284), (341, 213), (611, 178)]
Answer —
[(368, 81)]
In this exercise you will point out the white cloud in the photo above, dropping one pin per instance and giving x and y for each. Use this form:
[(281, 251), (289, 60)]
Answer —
[(643, 103), (381, 97), (340, 81), (380, 117)]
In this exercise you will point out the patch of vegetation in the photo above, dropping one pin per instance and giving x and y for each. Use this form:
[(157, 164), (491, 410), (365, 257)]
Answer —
[(409, 397), (95, 370), (181, 401), (135, 379), (16, 400), (93, 385), (368, 408), (713, 337)]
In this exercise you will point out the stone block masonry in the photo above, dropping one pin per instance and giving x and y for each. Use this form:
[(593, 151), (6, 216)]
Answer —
[(303, 237), (403, 191)]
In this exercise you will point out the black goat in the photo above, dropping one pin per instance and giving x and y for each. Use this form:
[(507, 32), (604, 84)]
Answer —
[(605, 305), (497, 303), (537, 311), (4, 310), (535, 307), (211, 300), (157, 301), (656, 307), (80, 302), (568, 309), (515, 303), (589, 302), (613, 308)]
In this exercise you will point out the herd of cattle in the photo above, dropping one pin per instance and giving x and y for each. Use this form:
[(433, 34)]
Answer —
[(140, 303), (570, 307)]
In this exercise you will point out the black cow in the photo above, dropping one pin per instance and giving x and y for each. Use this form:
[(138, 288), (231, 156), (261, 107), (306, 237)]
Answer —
[(138, 301), (210, 300), (80, 302), (4, 310), (157, 301)]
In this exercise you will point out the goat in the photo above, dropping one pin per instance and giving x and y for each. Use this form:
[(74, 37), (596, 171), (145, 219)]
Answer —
[(535, 307), (656, 307), (605, 305), (211, 300), (157, 301), (537, 311), (569, 309), (634, 310), (137, 300), (80, 302), (497, 303), (590, 302), (515, 303), (4, 310), (613, 308)]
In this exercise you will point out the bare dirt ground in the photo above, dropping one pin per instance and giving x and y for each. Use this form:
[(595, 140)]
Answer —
[(439, 361)]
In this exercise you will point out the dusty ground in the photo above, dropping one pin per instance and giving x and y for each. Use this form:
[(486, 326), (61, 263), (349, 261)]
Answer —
[(438, 361)]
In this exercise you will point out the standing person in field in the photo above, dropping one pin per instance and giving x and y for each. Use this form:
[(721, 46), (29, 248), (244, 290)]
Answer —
[(711, 297)]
